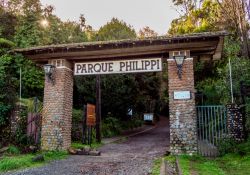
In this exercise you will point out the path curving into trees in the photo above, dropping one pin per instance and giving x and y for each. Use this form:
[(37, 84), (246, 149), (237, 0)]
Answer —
[(133, 156)]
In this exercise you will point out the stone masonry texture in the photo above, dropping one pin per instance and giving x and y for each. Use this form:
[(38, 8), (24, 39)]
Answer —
[(235, 122), (182, 113), (57, 110)]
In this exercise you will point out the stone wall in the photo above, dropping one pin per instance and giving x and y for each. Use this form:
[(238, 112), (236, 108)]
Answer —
[(183, 122), (15, 118), (57, 110), (235, 122)]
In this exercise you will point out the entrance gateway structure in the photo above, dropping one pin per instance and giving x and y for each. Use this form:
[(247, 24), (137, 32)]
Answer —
[(124, 56)]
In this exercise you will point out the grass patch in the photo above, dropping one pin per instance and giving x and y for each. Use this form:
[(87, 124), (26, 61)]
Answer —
[(12, 150), (79, 145), (156, 167), (234, 164), (184, 163), (229, 164), (170, 159), (199, 165), (24, 161)]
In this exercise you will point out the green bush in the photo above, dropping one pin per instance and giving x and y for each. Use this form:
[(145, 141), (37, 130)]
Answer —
[(226, 145), (6, 43), (76, 131), (243, 148), (21, 138), (132, 123), (13, 150), (4, 110), (229, 145), (110, 127)]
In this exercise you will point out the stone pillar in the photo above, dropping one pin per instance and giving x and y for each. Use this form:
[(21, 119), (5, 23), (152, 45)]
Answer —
[(57, 108), (182, 112), (235, 122)]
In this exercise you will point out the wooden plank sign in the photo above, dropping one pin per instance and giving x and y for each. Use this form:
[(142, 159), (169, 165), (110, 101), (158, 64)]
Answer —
[(91, 116)]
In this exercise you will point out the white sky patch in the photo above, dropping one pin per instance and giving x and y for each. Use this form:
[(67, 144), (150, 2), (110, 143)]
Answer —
[(157, 14)]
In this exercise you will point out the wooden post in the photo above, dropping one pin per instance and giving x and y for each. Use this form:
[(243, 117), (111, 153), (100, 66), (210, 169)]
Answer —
[(98, 109)]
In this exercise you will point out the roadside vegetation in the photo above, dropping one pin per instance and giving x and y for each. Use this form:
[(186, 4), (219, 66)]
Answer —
[(234, 159), (212, 78), (229, 164), (156, 167), (22, 26), (79, 145), (13, 159), (111, 126)]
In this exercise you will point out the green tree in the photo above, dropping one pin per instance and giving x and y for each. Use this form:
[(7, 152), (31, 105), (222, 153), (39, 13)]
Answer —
[(27, 32), (119, 92), (32, 83), (216, 87), (115, 30), (7, 24), (8, 84), (197, 19), (58, 32)]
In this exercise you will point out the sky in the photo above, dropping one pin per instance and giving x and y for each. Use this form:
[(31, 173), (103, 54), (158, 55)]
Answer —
[(157, 14)]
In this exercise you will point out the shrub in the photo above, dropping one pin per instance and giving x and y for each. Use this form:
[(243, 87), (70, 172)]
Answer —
[(13, 150), (111, 126), (243, 148), (76, 131), (21, 138), (132, 123), (226, 145), (229, 145)]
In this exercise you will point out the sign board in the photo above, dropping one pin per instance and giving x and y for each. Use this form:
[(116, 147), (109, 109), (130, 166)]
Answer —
[(130, 112), (182, 95), (118, 66), (91, 117), (148, 117)]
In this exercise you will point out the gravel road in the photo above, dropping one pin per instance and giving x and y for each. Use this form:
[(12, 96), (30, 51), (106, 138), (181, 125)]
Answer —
[(133, 156)]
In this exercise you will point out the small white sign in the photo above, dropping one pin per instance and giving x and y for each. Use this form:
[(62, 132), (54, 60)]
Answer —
[(148, 117), (182, 95), (119, 66)]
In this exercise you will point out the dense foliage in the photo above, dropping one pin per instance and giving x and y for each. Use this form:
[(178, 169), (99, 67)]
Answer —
[(32, 83), (21, 25), (119, 93), (212, 78), (203, 19), (26, 23)]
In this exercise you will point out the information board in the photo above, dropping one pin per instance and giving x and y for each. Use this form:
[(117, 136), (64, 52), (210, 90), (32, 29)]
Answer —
[(91, 115), (182, 95)]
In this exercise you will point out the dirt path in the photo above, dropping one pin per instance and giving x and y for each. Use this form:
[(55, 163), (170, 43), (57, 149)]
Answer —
[(132, 157)]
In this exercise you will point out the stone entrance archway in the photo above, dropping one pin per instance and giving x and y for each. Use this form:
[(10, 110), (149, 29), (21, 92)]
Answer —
[(57, 111)]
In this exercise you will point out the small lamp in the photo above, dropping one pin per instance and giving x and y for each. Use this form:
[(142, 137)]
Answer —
[(179, 60), (49, 69)]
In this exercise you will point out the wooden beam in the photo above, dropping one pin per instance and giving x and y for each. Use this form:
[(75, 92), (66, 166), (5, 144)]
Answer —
[(124, 52)]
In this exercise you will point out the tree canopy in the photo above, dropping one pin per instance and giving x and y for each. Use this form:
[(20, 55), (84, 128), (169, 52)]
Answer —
[(115, 30), (119, 92)]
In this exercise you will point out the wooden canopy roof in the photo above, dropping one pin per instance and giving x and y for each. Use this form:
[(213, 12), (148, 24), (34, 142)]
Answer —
[(207, 45)]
